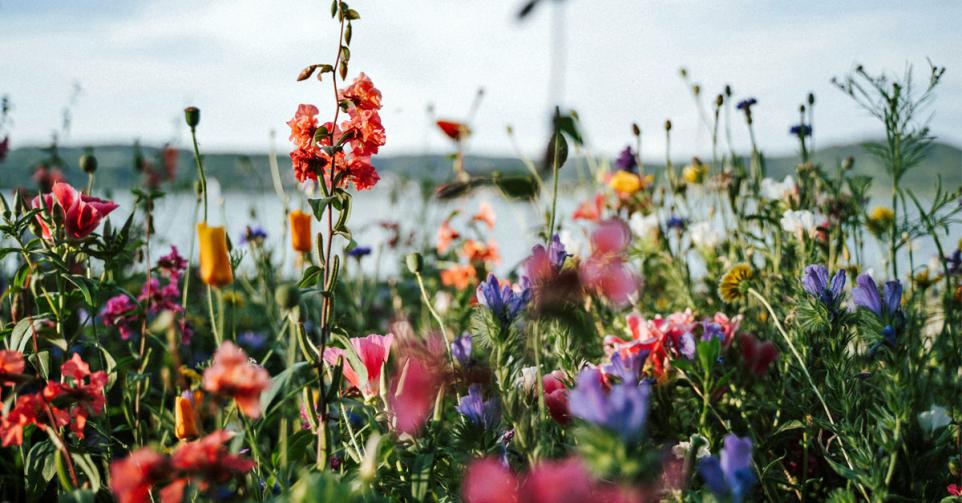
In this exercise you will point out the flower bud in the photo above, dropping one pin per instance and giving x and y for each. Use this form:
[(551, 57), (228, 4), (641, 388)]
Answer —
[(185, 420), (811, 99), (88, 163), (719, 100), (667, 125), (415, 262), (215, 268), (635, 129), (192, 115), (300, 231), (287, 296)]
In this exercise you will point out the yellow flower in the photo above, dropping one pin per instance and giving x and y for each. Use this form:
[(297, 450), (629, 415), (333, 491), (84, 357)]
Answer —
[(880, 220), (695, 172), (627, 183), (730, 287), (300, 231), (234, 298), (215, 269), (185, 420)]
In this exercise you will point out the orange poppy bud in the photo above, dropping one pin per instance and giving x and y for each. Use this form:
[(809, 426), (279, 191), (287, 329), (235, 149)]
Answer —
[(185, 421), (215, 267), (300, 231)]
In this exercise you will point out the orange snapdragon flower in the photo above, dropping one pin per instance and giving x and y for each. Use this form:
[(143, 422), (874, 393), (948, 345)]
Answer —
[(459, 276), (485, 215), (476, 251), (300, 231), (233, 375), (446, 235), (215, 268)]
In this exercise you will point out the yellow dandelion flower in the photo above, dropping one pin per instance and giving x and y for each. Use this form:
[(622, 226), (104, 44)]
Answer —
[(695, 172), (880, 220), (730, 287)]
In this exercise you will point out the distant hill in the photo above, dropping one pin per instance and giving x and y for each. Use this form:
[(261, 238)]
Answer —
[(250, 172)]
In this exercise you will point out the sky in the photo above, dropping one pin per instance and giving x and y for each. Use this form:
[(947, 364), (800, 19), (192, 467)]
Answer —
[(140, 63)]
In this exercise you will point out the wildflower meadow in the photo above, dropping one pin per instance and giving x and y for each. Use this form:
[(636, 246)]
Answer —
[(679, 332)]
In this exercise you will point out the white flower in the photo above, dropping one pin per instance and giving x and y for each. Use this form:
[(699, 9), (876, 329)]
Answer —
[(801, 223), (681, 450), (934, 419), (775, 190), (705, 235), (442, 301), (644, 226), (528, 378)]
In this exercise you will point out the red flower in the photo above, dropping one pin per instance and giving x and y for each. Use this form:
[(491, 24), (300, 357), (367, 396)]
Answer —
[(488, 481), (485, 215), (132, 478), (11, 365), (362, 93), (476, 251), (233, 375), (368, 132), (590, 210), (29, 409), (209, 460), (556, 397), (81, 213), (413, 392), (373, 351), (457, 131), (362, 173), (446, 234), (758, 355), (85, 398), (303, 126)]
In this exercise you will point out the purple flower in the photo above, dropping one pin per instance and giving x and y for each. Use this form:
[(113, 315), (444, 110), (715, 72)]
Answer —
[(953, 263), (461, 349), (712, 330), (503, 301), (622, 410), (254, 234), (251, 340), (677, 223), (627, 368), (746, 104), (801, 130), (475, 408), (730, 473), (866, 295), (815, 281), (626, 160), (359, 251)]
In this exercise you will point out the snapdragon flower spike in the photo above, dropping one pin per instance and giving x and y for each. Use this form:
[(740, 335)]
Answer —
[(816, 283), (623, 410), (730, 475), (505, 302), (481, 412)]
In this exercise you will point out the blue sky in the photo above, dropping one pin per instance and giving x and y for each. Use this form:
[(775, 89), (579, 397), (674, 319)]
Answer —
[(140, 63)]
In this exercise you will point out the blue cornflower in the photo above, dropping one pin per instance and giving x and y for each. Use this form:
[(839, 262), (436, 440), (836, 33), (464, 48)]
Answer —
[(815, 281), (746, 104), (481, 412), (626, 160), (627, 368), (461, 349), (622, 410), (251, 340), (359, 251), (729, 474), (503, 301), (801, 130), (253, 234), (677, 223)]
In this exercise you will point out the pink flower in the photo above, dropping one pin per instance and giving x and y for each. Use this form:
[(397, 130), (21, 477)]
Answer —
[(413, 392), (132, 478), (559, 481), (81, 213), (233, 375), (373, 351), (485, 215), (369, 134), (605, 271), (362, 93), (120, 313), (488, 481), (590, 210), (556, 397)]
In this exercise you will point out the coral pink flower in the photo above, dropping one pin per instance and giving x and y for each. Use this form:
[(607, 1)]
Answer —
[(559, 481), (476, 251), (11, 365), (446, 235), (556, 397), (413, 392), (303, 126), (373, 351), (209, 460), (84, 392), (459, 276), (729, 326), (369, 135), (362, 93), (132, 478), (29, 409), (233, 375), (488, 481), (362, 173), (485, 215), (590, 210), (81, 213), (605, 271)]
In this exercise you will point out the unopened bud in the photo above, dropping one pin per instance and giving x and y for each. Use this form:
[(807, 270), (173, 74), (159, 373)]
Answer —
[(811, 99), (415, 262), (635, 129), (192, 115), (668, 125), (719, 100), (88, 163)]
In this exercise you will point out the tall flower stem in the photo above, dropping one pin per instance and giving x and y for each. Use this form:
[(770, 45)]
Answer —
[(554, 191)]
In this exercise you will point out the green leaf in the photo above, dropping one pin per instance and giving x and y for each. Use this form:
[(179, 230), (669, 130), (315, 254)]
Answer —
[(516, 186), (279, 382), (78, 496)]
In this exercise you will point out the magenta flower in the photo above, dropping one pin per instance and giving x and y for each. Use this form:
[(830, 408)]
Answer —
[(605, 271)]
